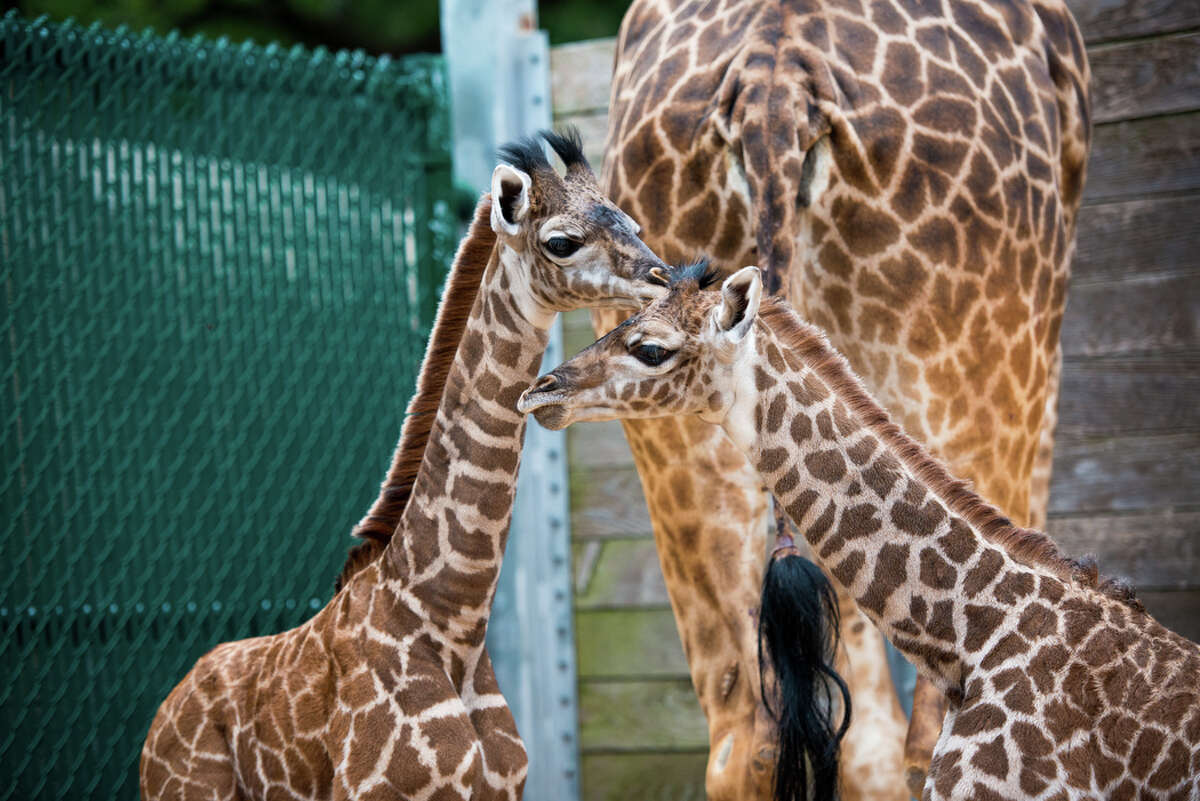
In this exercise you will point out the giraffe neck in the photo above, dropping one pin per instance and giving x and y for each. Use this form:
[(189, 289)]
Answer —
[(449, 545), (905, 540), (462, 287)]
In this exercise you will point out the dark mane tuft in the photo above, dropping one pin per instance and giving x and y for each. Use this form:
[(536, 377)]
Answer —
[(526, 154), (568, 144), (701, 271), (1027, 546)]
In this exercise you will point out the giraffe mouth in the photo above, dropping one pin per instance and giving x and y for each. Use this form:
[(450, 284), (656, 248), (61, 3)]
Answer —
[(554, 417), (628, 294), (533, 400), (548, 408), (546, 402)]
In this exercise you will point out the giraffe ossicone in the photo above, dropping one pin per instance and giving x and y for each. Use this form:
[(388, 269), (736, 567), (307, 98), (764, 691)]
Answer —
[(1060, 685), (388, 691)]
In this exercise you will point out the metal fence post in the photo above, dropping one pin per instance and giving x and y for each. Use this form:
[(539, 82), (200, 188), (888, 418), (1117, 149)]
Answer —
[(500, 89)]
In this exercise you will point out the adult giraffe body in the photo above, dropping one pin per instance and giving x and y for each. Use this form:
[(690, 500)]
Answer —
[(388, 692), (908, 173)]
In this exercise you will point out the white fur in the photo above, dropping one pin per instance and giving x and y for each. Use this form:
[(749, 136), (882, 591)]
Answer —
[(746, 282), (531, 308), (738, 419), (822, 152), (505, 176), (733, 343)]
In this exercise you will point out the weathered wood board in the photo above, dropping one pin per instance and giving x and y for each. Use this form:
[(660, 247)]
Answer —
[(1145, 77), (665, 775), (1135, 238), (636, 715), (1106, 20), (1142, 157), (1126, 483)]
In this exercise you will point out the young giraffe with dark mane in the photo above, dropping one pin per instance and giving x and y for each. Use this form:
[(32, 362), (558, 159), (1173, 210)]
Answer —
[(388, 691), (1060, 685), (908, 174)]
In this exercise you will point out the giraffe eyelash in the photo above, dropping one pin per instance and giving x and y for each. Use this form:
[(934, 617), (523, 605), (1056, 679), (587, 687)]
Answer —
[(651, 354)]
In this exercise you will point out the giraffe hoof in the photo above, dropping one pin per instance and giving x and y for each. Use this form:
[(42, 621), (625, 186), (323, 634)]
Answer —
[(914, 777)]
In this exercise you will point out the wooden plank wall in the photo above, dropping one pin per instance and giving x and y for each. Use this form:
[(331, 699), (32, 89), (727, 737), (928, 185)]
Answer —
[(1127, 462)]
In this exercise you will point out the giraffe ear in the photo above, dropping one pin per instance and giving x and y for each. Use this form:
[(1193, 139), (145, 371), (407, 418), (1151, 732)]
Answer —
[(510, 198), (740, 297)]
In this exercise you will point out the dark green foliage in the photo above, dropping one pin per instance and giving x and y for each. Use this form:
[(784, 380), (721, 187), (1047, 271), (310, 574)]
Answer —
[(376, 26)]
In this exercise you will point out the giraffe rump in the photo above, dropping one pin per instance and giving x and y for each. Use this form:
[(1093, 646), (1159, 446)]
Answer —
[(462, 286), (1027, 546)]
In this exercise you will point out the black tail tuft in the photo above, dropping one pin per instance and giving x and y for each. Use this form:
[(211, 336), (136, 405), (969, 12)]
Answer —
[(798, 633)]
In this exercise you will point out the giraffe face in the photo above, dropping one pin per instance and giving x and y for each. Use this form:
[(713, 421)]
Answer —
[(682, 354), (571, 245)]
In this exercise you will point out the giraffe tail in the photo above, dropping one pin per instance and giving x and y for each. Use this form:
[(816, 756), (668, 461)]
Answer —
[(797, 640)]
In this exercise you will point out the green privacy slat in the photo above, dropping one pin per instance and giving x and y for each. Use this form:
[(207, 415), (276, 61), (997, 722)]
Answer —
[(218, 266)]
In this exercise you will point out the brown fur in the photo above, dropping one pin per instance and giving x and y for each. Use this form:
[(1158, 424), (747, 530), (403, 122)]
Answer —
[(1030, 547), (361, 555), (462, 285), (929, 709)]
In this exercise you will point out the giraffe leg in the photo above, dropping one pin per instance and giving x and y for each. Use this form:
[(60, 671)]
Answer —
[(929, 707), (710, 522), (873, 748)]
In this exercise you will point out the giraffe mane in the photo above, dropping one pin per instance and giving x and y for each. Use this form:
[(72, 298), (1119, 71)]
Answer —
[(1027, 546), (462, 286), (528, 155), (700, 270)]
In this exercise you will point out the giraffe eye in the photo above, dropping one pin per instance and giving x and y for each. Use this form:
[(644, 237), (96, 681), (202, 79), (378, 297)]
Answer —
[(561, 246), (652, 355)]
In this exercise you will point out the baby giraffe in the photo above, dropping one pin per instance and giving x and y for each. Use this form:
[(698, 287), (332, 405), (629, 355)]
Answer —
[(388, 692), (1061, 686)]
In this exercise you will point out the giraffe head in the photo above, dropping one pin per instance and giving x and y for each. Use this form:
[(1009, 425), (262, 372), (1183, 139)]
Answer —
[(685, 353), (576, 247)]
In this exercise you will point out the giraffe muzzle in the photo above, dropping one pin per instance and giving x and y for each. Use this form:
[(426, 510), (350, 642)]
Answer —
[(545, 400)]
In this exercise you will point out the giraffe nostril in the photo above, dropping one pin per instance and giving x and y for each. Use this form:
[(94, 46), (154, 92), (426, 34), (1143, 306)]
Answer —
[(657, 275), (546, 383)]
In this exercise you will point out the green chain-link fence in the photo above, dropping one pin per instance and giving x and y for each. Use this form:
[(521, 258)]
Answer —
[(218, 266)]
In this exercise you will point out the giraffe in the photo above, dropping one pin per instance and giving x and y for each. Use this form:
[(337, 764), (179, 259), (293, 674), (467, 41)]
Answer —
[(388, 691), (1059, 683), (908, 172)]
